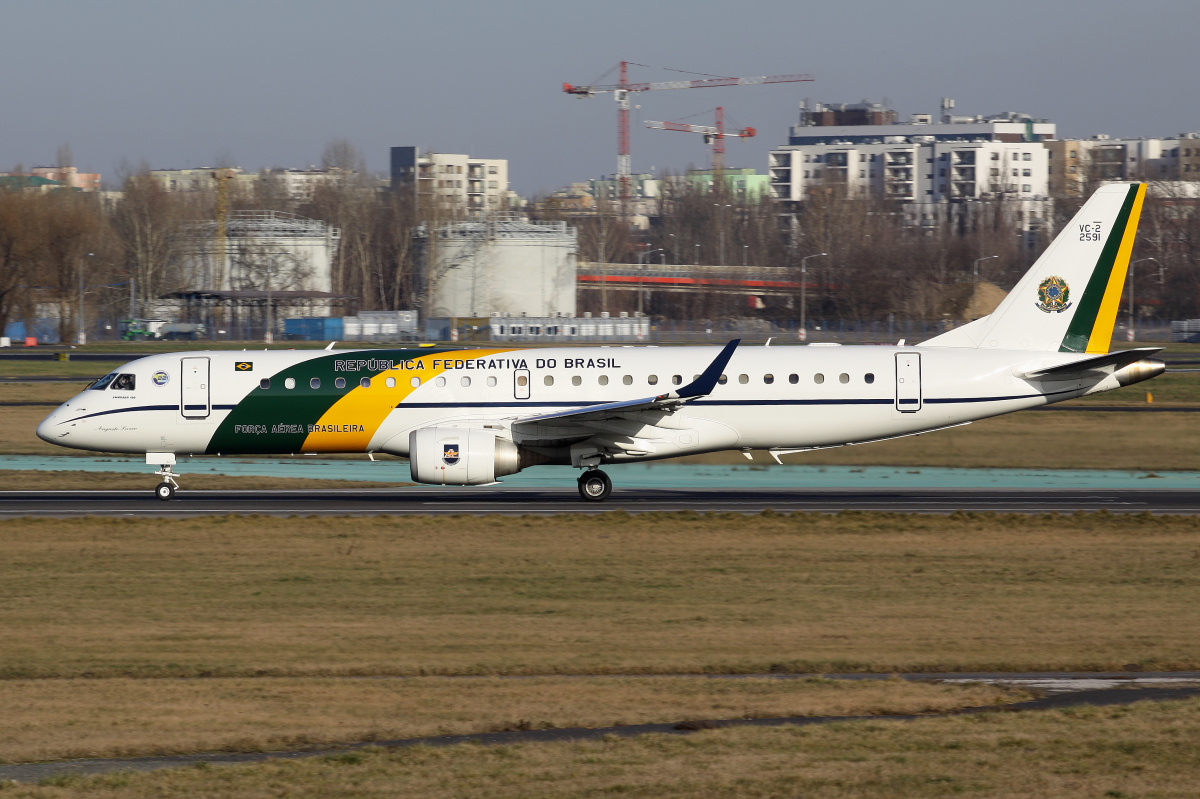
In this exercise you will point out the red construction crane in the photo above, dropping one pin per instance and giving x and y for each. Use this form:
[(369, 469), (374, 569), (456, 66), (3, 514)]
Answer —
[(715, 134), (620, 91)]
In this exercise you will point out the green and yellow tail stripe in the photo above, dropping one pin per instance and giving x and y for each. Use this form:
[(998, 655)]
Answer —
[(1092, 325)]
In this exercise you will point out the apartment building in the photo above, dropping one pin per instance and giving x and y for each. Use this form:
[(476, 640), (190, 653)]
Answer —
[(1075, 163), (69, 176), (935, 169), (477, 185)]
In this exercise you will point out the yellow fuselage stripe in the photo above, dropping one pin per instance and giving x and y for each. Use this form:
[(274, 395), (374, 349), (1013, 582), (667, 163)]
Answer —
[(1106, 318), (368, 408)]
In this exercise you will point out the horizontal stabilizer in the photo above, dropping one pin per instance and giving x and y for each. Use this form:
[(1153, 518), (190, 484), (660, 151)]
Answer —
[(1097, 363)]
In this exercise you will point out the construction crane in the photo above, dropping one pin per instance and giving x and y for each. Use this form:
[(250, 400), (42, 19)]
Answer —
[(621, 91), (714, 134)]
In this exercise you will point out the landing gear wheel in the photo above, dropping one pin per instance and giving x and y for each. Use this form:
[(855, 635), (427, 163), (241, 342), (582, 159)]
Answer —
[(594, 485), (164, 491)]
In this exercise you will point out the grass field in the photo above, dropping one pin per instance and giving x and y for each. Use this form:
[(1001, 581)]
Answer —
[(1145, 750), (56, 719), (31, 480), (126, 636)]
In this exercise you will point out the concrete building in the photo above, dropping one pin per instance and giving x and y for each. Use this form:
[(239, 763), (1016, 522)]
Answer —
[(299, 184), (202, 178), (69, 176), (499, 266), (934, 169), (476, 186), (1076, 163)]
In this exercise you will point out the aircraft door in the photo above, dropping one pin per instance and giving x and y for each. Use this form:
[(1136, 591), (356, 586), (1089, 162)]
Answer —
[(908, 382), (521, 384), (194, 401)]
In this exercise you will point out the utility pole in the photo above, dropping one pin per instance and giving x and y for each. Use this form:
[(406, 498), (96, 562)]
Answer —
[(1130, 335), (804, 294)]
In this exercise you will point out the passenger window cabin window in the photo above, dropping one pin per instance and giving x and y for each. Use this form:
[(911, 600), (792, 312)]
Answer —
[(390, 382), (576, 380), (339, 382), (652, 380), (843, 378), (290, 383), (677, 379), (415, 382), (103, 382), (602, 380), (464, 381), (818, 378), (627, 380), (768, 379), (491, 381), (743, 379), (522, 380), (314, 382), (440, 382), (723, 379), (124, 383), (870, 378), (793, 379), (548, 380), (265, 383), (364, 382)]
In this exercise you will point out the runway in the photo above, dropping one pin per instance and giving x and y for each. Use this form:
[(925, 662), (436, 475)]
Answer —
[(423, 500)]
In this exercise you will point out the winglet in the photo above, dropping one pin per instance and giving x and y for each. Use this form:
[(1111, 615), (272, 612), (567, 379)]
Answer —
[(705, 383)]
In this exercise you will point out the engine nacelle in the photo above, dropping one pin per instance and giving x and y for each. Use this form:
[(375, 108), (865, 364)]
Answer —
[(460, 456)]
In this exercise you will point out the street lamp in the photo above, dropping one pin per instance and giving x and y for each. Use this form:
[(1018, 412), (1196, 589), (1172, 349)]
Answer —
[(745, 247), (721, 229), (674, 248), (1129, 334), (80, 336), (696, 262), (804, 294), (641, 266), (975, 268)]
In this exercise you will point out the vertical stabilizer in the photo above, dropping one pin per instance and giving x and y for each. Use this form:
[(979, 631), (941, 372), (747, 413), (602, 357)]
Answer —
[(1068, 300)]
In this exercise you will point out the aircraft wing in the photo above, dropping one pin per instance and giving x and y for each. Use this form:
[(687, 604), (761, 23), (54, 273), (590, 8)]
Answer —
[(700, 387), (1114, 359)]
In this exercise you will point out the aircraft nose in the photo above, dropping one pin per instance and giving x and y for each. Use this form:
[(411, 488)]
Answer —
[(45, 429)]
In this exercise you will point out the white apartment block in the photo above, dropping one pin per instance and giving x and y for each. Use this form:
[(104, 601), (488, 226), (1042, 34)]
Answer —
[(202, 178), (479, 186), (1077, 163), (933, 169)]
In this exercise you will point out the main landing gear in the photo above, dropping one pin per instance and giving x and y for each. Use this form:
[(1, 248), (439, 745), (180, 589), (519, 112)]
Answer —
[(594, 485)]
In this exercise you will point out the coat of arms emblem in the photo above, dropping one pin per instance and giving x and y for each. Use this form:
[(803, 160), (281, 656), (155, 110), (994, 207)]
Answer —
[(1054, 296), (450, 454)]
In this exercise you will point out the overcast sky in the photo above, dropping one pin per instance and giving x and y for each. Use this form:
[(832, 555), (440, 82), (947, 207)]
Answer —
[(259, 83)]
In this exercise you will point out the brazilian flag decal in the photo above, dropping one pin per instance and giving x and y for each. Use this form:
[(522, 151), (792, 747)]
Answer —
[(244, 366)]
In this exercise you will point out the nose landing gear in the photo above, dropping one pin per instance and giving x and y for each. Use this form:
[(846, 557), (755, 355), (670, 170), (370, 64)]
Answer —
[(164, 460), (594, 485)]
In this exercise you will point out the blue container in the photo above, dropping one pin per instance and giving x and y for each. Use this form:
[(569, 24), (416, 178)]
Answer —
[(313, 328)]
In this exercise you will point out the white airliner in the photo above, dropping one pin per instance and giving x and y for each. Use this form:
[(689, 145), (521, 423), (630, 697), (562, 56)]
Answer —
[(471, 416)]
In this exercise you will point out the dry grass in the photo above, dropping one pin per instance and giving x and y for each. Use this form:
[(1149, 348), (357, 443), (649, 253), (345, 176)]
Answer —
[(55, 719), (1147, 749), (30, 480), (654, 593)]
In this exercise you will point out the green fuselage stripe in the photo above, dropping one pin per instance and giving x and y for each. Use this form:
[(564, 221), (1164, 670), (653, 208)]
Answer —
[(1079, 332)]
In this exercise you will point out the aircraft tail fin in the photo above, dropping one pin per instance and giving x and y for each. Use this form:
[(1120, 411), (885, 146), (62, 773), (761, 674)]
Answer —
[(1068, 300)]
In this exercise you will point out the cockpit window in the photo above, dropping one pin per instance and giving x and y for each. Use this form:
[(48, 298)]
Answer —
[(103, 382), (124, 383)]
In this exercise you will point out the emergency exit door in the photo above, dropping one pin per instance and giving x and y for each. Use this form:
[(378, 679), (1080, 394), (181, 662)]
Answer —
[(194, 402), (908, 382), (521, 384)]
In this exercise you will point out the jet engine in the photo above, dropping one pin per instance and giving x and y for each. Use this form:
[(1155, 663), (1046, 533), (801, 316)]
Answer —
[(460, 456)]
